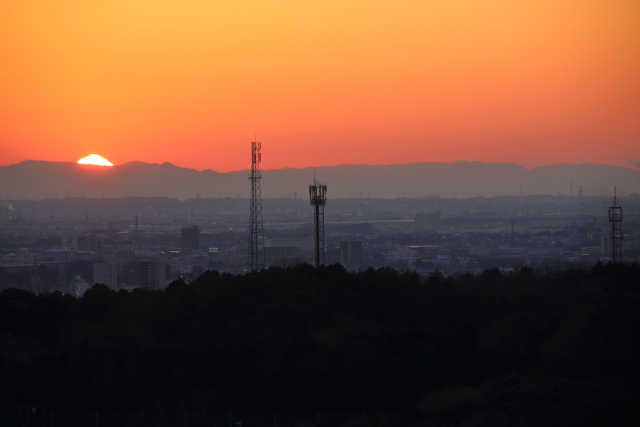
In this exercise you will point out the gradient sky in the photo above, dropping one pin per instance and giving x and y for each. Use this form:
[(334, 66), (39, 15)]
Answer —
[(320, 82)]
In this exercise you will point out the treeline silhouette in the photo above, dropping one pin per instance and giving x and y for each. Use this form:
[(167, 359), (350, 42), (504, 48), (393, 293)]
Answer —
[(526, 348)]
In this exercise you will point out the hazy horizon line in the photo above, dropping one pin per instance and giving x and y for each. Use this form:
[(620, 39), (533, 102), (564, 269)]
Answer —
[(632, 164)]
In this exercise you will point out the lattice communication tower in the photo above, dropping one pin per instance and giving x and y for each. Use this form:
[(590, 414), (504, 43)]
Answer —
[(318, 198), (256, 228), (615, 218)]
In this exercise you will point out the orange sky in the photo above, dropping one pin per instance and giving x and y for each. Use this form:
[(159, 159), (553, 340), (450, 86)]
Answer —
[(320, 82)]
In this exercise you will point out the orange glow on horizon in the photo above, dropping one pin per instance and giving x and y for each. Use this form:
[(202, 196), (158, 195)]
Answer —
[(533, 82)]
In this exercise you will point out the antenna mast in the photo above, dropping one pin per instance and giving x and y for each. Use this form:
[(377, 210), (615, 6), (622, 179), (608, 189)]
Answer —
[(318, 198), (615, 218), (256, 229)]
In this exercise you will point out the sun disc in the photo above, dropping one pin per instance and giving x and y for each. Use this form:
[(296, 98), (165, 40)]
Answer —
[(95, 159)]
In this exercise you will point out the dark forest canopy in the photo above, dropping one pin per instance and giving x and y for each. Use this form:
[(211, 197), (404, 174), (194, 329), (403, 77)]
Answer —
[(526, 348)]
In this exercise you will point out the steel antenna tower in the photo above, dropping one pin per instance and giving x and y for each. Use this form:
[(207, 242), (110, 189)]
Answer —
[(318, 198), (615, 218), (256, 229)]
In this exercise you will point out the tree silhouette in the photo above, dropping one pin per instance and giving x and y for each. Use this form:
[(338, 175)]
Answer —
[(447, 350)]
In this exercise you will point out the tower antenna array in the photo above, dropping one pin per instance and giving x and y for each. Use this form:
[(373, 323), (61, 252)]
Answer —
[(615, 218), (318, 198), (256, 229)]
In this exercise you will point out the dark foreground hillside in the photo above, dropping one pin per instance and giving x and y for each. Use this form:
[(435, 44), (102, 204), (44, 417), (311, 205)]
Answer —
[(387, 348)]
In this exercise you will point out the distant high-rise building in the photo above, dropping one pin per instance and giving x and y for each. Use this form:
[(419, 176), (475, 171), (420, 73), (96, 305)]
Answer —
[(153, 274), (190, 238), (105, 273), (78, 286)]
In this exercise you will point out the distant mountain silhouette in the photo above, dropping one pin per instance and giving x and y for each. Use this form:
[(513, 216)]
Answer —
[(42, 180)]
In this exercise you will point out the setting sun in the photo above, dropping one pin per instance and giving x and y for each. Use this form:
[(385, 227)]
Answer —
[(95, 159)]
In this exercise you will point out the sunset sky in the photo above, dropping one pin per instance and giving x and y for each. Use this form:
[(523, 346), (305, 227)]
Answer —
[(320, 82)]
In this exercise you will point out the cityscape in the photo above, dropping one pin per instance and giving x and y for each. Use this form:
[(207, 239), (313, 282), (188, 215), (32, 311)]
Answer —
[(70, 244)]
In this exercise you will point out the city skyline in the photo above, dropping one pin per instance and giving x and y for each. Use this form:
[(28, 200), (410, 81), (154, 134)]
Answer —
[(191, 83)]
